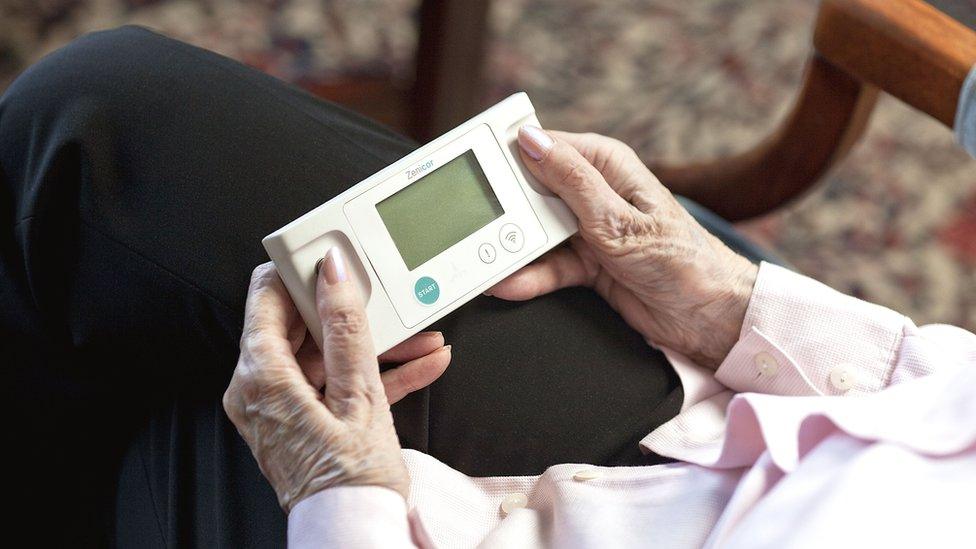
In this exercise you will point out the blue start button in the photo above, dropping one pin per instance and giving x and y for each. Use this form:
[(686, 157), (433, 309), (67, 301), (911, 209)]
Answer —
[(426, 290)]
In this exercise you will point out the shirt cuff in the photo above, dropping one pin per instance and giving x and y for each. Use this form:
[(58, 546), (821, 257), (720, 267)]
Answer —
[(800, 337), (350, 517)]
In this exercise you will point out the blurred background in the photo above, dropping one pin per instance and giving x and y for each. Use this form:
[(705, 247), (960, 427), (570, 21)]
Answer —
[(678, 80)]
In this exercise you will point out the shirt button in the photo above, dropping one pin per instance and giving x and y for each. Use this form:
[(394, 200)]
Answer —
[(587, 474), (513, 502), (766, 364), (843, 378)]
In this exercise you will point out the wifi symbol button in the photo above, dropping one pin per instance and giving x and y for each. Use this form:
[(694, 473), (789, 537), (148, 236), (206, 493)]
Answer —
[(511, 238)]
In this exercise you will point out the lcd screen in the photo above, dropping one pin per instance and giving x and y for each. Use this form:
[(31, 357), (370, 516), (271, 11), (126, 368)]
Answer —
[(439, 210)]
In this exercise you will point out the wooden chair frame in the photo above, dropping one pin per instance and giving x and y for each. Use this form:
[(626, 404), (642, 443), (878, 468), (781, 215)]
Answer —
[(905, 48)]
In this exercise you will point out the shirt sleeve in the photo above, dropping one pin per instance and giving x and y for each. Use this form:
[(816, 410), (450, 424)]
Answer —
[(351, 517), (800, 337)]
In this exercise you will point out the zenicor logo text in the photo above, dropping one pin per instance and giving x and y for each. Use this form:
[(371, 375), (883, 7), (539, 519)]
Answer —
[(414, 172)]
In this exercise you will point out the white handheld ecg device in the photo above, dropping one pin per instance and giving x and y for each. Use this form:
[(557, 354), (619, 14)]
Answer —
[(433, 230)]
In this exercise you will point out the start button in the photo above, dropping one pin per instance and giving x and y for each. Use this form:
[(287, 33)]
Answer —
[(426, 290)]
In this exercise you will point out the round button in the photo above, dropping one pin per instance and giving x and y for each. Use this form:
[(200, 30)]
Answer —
[(766, 364), (426, 290), (587, 474), (513, 502), (487, 252), (843, 377), (511, 237)]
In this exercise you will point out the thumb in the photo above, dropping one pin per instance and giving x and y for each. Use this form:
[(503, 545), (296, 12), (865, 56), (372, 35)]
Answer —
[(351, 368), (564, 171)]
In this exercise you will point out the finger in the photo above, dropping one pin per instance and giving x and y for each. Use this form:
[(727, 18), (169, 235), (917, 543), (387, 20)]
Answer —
[(268, 347), (269, 313), (417, 346), (564, 171), (619, 164), (351, 369), (559, 268), (596, 148), (592, 146), (424, 343), (416, 374)]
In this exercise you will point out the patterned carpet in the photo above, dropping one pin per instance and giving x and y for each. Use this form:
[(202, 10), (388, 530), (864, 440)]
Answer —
[(677, 79)]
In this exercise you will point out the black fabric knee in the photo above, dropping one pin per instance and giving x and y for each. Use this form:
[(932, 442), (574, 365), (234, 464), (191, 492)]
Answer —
[(139, 175)]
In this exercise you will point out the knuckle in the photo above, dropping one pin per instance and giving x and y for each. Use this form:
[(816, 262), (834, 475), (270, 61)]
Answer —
[(352, 400), (229, 402), (260, 356), (624, 152), (252, 392), (618, 235), (242, 389), (258, 343), (250, 332), (619, 155), (249, 386), (262, 272), (345, 321), (576, 178), (606, 159)]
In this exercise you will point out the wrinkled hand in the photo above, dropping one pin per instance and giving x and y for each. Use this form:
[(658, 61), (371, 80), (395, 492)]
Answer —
[(670, 279), (315, 419)]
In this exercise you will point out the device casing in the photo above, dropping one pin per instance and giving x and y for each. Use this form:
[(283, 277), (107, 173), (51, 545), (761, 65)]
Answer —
[(297, 247)]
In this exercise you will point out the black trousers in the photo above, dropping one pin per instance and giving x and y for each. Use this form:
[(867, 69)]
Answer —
[(137, 178)]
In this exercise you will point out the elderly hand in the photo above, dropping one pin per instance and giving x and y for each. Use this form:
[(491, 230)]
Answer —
[(306, 438), (670, 279)]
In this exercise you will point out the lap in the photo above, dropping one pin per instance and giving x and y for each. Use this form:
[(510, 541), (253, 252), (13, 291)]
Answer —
[(133, 216)]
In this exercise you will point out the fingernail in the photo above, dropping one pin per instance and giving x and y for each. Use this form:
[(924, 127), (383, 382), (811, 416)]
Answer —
[(486, 293), (335, 267), (448, 347), (535, 141)]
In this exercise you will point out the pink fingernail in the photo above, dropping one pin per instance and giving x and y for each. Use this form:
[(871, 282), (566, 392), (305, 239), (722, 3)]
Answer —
[(535, 141), (335, 267)]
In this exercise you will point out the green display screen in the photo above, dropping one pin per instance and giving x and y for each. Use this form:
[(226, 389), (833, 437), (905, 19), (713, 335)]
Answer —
[(439, 210)]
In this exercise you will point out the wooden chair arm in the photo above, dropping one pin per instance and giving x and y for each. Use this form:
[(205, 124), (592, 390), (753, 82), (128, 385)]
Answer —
[(904, 47)]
